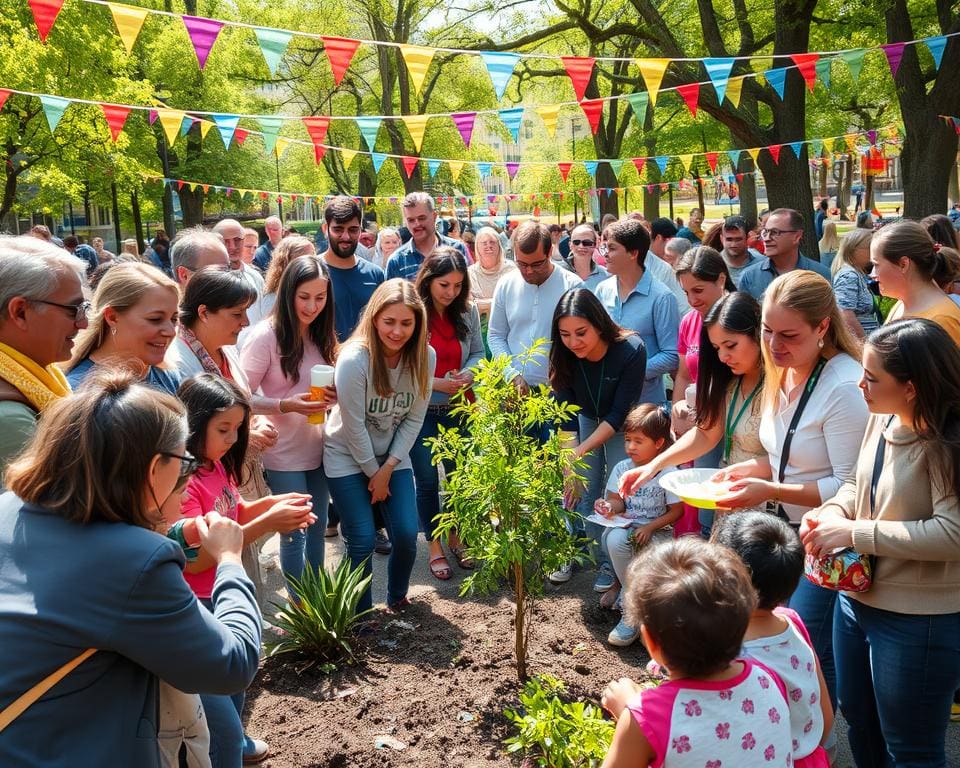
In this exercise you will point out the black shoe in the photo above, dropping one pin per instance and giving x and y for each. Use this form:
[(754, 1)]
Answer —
[(382, 545)]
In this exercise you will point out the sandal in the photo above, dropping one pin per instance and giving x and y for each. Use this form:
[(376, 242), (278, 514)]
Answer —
[(442, 572), (462, 560)]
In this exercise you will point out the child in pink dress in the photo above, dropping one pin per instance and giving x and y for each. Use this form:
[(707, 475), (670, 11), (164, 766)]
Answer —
[(776, 636), (693, 600)]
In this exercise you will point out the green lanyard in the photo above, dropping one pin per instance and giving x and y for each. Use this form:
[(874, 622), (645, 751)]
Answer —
[(732, 422), (594, 400)]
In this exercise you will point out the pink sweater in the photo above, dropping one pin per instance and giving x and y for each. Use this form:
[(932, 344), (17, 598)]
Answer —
[(209, 490)]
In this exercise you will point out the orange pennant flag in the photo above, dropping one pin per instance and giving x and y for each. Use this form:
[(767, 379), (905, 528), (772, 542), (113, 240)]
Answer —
[(340, 51), (317, 128)]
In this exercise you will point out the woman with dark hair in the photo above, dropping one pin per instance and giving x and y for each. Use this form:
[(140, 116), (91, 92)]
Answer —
[(941, 230), (599, 366), (898, 644), (85, 572), (453, 326), (277, 359)]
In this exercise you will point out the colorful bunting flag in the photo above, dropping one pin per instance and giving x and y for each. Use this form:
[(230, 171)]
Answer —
[(580, 70), (4, 95), (564, 169), (378, 159), (807, 66), (687, 161), (270, 126), (512, 169), (797, 147), (226, 124), (718, 70), (273, 44), (823, 71), (638, 163), (170, 120), (45, 14), (317, 126), (662, 161), (369, 126), (854, 61), (936, 46), (500, 67), (464, 122), (347, 155), (778, 79), (115, 114), (409, 164), (774, 150), (549, 114), (484, 169), (894, 52), (652, 71), (593, 109), (456, 168), (417, 58), (712, 158), (691, 95), (754, 153), (591, 166), (187, 123), (735, 90), (129, 22), (512, 119), (433, 166), (639, 103), (417, 125), (340, 51), (203, 34), (616, 166), (734, 155)]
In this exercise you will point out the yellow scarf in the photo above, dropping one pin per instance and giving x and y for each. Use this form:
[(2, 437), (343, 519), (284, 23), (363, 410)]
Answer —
[(41, 386)]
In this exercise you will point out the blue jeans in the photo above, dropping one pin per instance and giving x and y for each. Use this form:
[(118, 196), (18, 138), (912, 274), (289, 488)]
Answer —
[(298, 548), (600, 462), (351, 497), (896, 675), (816, 606), (426, 472)]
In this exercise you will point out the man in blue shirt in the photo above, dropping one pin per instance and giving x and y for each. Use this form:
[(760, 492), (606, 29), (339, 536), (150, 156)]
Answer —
[(274, 229), (782, 235), (421, 219)]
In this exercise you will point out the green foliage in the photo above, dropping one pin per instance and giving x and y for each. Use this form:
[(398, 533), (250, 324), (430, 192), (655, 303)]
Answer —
[(319, 622), (557, 734)]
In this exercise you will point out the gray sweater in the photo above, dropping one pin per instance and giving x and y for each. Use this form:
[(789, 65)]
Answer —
[(364, 428)]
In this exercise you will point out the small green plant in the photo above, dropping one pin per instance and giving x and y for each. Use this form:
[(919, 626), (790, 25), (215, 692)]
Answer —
[(319, 620), (558, 734)]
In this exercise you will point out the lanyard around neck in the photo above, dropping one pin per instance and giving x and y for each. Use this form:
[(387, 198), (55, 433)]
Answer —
[(594, 399), (731, 425)]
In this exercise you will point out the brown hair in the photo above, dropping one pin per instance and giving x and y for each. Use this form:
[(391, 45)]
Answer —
[(706, 264), (532, 238), (651, 420), (910, 239), (286, 250), (90, 457), (695, 598)]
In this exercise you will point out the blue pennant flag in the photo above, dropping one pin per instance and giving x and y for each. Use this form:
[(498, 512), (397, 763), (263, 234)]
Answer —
[(512, 119), (718, 70), (777, 79), (226, 124), (797, 147), (936, 46), (591, 166), (369, 127), (378, 160), (433, 166), (734, 155), (500, 67), (662, 162), (484, 169)]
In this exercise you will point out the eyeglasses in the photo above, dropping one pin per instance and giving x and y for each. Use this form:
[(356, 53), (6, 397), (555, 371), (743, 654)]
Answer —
[(188, 465), (775, 233), (588, 243), (81, 310), (532, 266)]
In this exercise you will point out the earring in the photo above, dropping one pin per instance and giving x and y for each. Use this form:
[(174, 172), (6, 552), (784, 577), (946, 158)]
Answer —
[(113, 332), (820, 343)]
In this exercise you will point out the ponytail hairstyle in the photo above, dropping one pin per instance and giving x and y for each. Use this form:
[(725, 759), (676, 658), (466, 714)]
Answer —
[(910, 240), (204, 396), (941, 230)]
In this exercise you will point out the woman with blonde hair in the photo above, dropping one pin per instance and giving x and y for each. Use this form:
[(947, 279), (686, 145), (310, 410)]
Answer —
[(388, 240), (486, 271), (286, 251), (849, 270), (811, 425), (383, 379), (829, 244), (134, 321)]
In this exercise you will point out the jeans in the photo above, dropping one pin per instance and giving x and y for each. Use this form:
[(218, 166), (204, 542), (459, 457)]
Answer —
[(896, 675), (600, 462), (299, 548), (352, 498), (426, 472), (816, 607)]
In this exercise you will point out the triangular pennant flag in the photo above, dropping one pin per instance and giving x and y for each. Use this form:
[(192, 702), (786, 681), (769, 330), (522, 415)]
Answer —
[(712, 158), (270, 126), (872, 137), (894, 52), (464, 122), (53, 109), (417, 58), (564, 169), (512, 119), (734, 155), (549, 114), (317, 126), (129, 21), (817, 146), (691, 95), (662, 162), (807, 65), (754, 154), (718, 70), (340, 52), (735, 90), (774, 150), (409, 164), (4, 95), (273, 44), (170, 120), (854, 61), (639, 162), (240, 136), (778, 79), (936, 46), (823, 71), (828, 145), (186, 125), (347, 155), (616, 166), (378, 159), (797, 147), (205, 126), (512, 169), (456, 168), (417, 125), (591, 166), (45, 13), (115, 114), (152, 116), (433, 166), (369, 126), (484, 169), (580, 70), (593, 109), (652, 71), (203, 34), (500, 67), (851, 139), (226, 124), (687, 160), (639, 103)]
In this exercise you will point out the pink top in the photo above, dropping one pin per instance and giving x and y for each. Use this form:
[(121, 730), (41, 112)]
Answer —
[(719, 724), (209, 490), (688, 342), (300, 445)]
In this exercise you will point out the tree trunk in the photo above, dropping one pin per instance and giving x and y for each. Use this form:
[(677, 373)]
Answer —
[(137, 221), (953, 191), (608, 203), (788, 186), (191, 204), (926, 161)]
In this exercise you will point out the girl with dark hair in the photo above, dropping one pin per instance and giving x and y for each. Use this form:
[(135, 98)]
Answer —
[(277, 359), (453, 326), (898, 644), (599, 366), (941, 230)]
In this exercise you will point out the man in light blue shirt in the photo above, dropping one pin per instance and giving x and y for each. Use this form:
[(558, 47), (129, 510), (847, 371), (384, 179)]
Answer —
[(638, 302), (421, 219)]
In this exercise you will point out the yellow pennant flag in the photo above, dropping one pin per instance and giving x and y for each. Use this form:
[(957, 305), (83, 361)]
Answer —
[(828, 145), (347, 155), (417, 58), (549, 114), (281, 146), (129, 21), (851, 139), (171, 120), (686, 160), (456, 168), (417, 125), (754, 153), (205, 126), (734, 90), (652, 71)]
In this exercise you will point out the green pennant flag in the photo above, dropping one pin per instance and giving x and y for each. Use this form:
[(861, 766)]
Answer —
[(53, 109), (823, 71), (616, 166), (854, 60), (273, 44), (639, 103), (271, 128)]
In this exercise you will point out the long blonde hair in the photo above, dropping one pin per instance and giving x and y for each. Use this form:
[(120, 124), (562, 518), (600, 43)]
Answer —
[(829, 242), (122, 287), (850, 243), (414, 355), (811, 296), (288, 249)]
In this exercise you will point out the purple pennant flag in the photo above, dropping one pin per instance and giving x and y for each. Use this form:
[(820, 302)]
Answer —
[(894, 53), (464, 122), (512, 169), (491, 198), (153, 116), (872, 135), (203, 34)]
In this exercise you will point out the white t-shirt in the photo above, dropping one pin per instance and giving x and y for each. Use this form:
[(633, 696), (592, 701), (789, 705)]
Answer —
[(650, 501)]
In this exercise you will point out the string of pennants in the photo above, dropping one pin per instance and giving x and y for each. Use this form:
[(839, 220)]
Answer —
[(203, 33), (951, 121), (176, 123)]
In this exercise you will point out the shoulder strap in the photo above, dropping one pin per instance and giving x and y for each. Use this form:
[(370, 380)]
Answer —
[(24, 702), (795, 421), (878, 466)]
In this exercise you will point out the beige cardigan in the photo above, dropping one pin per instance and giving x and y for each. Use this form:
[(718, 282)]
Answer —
[(915, 531)]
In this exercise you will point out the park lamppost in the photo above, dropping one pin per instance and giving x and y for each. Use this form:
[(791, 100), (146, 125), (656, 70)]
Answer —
[(279, 198)]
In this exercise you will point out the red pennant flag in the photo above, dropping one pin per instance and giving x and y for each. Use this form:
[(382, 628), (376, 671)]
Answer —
[(45, 13), (206, 188), (317, 128), (739, 177), (564, 170), (4, 95), (712, 161), (593, 109), (774, 150), (650, 188), (116, 116), (807, 64), (580, 70), (639, 163), (240, 136), (691, 95), (180, 185), (664, 187), (264, 195), (340, 52), (409, 163)]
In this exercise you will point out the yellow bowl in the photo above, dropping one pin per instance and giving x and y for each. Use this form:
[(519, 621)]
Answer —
[(694, 487)]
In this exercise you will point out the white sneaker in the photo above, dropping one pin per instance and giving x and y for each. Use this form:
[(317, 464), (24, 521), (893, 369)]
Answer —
[(562, 574)]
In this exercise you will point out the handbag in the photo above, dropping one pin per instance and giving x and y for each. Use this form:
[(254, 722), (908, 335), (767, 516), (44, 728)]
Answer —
[(22, 703)]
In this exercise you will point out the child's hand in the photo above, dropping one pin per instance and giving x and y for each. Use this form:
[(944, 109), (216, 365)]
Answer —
[(290, 514), (641, 535), (618, 694), (602, 507)]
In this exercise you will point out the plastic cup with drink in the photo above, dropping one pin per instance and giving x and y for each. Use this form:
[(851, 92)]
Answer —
[(320, 376)]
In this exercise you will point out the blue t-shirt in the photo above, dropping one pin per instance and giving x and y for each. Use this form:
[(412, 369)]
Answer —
[(406, 260), (263, 256), (166, 380), (352, 289)]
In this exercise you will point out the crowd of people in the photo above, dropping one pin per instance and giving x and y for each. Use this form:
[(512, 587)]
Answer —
[(159, 419)]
